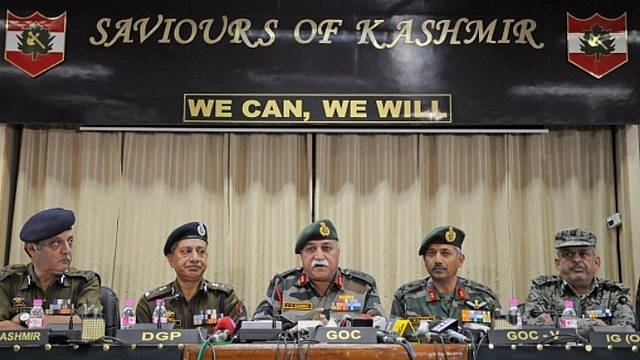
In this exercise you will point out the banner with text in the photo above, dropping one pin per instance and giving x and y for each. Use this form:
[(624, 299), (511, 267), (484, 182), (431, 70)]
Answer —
[(314, 65)]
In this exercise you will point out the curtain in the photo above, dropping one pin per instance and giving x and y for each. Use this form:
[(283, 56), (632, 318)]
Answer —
[(510, 193)]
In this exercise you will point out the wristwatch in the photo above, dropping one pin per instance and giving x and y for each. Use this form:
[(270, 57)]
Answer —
[(24, 319)]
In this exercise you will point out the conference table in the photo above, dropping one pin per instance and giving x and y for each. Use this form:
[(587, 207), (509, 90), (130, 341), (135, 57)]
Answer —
[(308, 351)]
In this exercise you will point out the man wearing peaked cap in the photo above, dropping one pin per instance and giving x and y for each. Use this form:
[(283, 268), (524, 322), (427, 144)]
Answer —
[(47, 238), (597, 301), (190, 294), (443, 294), (305, 293)]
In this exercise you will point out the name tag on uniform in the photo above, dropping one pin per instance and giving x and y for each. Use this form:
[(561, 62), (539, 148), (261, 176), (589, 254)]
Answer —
[(294, 305)]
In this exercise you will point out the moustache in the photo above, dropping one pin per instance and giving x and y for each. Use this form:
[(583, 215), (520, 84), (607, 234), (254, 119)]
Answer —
[(439, 267), (65, 258), (578, 267), (315, 263)]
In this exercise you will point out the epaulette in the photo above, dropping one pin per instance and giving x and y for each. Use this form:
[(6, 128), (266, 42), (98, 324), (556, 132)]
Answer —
[(479, 287), (12, 269), (614, 285), (216, 286), (546, 279), (159, 292), (87, 274), (410, 286), (360, 275), (294, 271)]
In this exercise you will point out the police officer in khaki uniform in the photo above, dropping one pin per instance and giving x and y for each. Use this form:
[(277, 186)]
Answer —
[(48, 239), (305, 293), (190, 299), (444, 294), (598, 302)]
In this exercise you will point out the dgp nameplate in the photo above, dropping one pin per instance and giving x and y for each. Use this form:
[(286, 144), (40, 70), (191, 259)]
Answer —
[(162, 336)]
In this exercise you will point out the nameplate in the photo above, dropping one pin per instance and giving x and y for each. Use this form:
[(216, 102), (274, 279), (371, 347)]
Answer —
[(346, 335), (531, 336), (160, 336), (24, 337), (614, 339)]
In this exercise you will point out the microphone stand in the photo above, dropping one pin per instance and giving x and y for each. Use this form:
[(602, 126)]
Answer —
[(276, 309)]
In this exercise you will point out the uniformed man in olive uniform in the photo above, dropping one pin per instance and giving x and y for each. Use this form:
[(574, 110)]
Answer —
[(596, 301), (444, 294), (305, 293), (190, 299), (48, 239)]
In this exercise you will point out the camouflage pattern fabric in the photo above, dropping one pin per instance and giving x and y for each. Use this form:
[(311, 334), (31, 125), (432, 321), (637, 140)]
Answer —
[(420, 298), (606, 300), (352, 293)]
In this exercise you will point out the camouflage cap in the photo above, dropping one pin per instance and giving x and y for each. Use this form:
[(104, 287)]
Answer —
[(449, 235), (190, 230), (317, 230), (575, 237)]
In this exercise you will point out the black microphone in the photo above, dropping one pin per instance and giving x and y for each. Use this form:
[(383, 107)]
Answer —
[(171, 297), (71, 316), (385, 338), (275, 311), (457, 336), (534, 313)]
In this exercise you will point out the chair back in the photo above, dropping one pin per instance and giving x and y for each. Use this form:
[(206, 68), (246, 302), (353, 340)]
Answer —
[(110, 309)]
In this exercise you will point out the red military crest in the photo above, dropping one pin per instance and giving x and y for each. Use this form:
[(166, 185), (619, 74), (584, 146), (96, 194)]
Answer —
[(597, 45), (36, 43)]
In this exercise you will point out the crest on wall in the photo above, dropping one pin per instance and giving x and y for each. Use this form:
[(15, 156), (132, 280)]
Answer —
[(597, 45), (36, 43)]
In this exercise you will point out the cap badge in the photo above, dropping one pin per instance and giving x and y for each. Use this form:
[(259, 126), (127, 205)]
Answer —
[(450, 235), (201, 230), (324, 229)]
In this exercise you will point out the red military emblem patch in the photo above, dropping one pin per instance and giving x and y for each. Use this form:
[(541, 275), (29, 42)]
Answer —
[(36, 43), (597, 45)]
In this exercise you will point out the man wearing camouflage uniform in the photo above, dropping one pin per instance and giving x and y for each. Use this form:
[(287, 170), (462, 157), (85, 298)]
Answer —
[(48, 240), (444, 294), (190, 299), (597, 301), (305, 293)]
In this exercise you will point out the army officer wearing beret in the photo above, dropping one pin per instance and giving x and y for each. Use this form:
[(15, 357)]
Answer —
[(190, 294), (444, 294), (304, 293), (597, 301), (48, 240)]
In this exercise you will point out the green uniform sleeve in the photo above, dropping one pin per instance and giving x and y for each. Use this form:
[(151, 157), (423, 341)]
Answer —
[(89, 294)]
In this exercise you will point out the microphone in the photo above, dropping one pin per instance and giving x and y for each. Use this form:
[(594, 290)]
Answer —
[(171, 297), (222, 335), (534, 313), (224, 329), (71, 317), (452, 334), (225, 323), (275, 312), (385, 338)]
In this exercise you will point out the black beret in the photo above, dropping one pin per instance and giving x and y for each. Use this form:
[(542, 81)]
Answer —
[(449, 235), (190, 230), (317, 230), (47, 224)]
